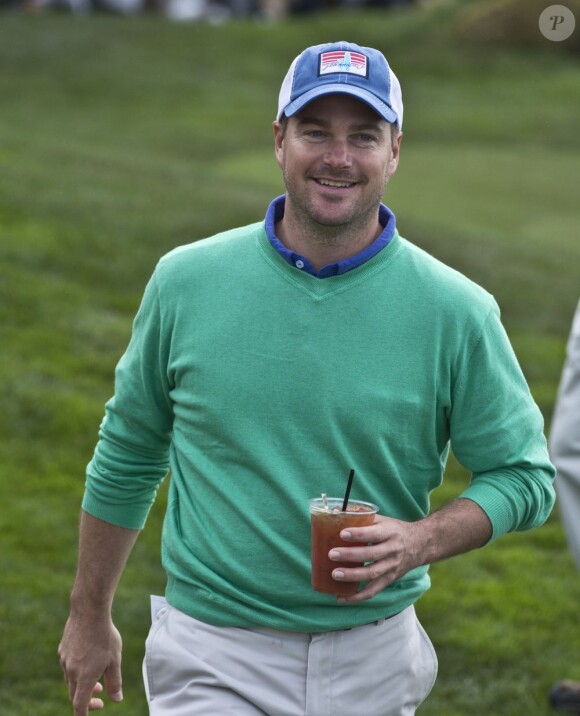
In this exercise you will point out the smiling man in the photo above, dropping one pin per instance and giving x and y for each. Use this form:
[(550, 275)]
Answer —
[(264, 364), (336, 157)]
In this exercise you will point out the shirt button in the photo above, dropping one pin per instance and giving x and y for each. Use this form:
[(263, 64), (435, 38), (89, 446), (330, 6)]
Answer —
[(300, 264)]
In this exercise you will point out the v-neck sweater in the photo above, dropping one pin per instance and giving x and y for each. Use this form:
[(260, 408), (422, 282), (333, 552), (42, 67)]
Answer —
[(259, 386)]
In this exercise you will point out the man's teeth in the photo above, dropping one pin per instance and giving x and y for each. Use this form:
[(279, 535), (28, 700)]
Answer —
[(339, 184)]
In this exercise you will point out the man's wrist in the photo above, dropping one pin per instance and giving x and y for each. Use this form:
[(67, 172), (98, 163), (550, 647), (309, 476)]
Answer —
[(90, 602)]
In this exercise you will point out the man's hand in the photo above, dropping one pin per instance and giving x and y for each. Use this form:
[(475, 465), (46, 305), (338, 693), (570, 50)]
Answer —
[(396, 547), (89, 650), (390, 554), (91, 645)]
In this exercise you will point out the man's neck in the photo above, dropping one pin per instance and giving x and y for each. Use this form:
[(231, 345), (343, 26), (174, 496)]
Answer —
[(323, 245)]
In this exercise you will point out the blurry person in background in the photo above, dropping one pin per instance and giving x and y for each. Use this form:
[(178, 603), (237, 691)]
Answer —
[(564, 448)]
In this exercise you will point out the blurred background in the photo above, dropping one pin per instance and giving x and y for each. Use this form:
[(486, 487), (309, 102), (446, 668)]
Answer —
[(129, 127)]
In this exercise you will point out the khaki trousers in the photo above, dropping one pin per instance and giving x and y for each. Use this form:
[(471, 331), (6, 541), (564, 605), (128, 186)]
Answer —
[(195, 669)]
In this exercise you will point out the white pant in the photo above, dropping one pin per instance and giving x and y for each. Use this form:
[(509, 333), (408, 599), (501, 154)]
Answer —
[(565, 441), (195, 669)]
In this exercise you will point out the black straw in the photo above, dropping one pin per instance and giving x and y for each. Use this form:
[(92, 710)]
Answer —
[(347, 494)]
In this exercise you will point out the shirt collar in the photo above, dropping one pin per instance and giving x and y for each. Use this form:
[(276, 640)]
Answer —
[(276, 212)]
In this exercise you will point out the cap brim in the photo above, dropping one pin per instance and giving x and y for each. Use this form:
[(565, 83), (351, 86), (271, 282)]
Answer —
[(382, 109)]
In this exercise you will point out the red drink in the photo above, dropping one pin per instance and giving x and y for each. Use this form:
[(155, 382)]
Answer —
[(327, 523)]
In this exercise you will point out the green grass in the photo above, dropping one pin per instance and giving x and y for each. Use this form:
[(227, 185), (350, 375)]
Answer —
[(120, 139)]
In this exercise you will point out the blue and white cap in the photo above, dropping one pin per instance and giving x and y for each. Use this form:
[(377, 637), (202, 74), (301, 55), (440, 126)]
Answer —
[(342, 68)]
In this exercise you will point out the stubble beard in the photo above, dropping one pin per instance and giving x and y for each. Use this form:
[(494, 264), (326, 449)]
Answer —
[(322, 229)]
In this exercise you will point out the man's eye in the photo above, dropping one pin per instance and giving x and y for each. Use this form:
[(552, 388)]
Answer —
[(364, 141)]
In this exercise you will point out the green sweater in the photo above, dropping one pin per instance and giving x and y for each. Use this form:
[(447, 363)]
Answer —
[(260, 386)]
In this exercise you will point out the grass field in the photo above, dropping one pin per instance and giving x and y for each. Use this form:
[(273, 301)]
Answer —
[(120, 139)]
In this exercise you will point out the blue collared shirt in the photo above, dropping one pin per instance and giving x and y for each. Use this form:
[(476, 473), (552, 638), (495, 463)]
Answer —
[(276, 212)]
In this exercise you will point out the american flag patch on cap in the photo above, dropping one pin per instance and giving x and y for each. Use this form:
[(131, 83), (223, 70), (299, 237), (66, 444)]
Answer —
[(342, 61)]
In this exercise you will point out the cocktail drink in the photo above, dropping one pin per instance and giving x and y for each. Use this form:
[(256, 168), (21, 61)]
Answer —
[(327, 521)]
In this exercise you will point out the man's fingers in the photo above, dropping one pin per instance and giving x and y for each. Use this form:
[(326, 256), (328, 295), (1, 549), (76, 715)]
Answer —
[(96, 704), (369, 553), (114, 682), (370, 590), (83, 702), (377, 532)]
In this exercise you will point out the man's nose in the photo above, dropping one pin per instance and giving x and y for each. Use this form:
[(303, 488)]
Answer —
[(339, 153)]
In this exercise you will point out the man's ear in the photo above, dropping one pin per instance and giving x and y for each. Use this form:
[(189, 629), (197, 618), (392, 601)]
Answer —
[(396, 150), (279, 131)]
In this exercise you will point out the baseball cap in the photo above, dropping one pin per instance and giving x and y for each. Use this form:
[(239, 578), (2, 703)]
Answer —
[(342, 68)]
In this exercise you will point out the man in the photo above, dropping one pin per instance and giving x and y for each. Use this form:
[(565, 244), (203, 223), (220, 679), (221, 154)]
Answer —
[(264, 364), (565, 452)]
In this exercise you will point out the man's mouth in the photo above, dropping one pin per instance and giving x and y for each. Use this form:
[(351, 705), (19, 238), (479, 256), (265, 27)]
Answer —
[(335, 184)]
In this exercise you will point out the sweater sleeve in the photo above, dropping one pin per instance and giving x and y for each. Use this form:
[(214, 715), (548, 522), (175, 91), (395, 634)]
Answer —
[(132, 455), (497, 433)]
